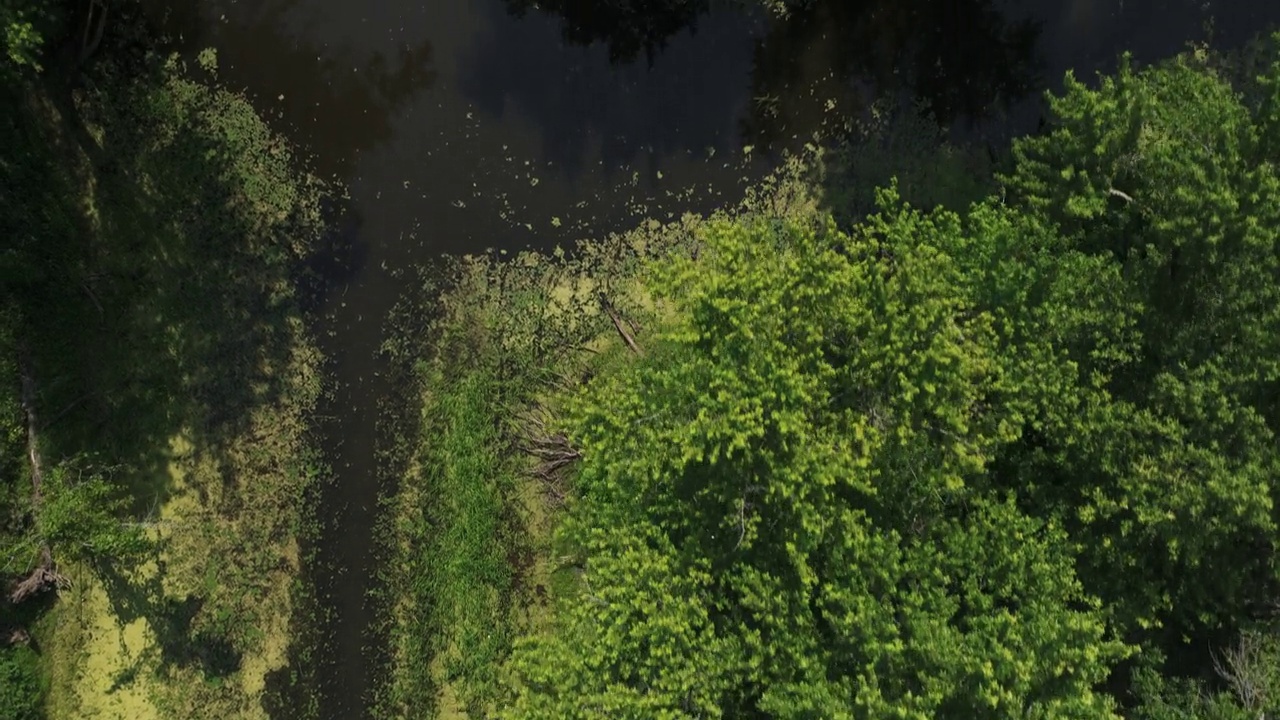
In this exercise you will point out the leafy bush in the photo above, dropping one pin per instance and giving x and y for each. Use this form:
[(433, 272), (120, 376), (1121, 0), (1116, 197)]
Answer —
[(19, 38), (83, 516), (21, 689)]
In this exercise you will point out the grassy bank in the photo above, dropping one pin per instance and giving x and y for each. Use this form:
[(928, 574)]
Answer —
[(157, 231), (454, 598)]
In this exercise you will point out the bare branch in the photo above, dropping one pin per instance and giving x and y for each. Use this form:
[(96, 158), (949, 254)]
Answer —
[(66, 409), (90, 44), (28, 402), (1120, 194), (742, 522), (617, 324), (554, 452), (1243, 667)]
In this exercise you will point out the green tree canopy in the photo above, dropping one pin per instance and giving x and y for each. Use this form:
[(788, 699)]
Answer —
[(951, 464), (1169, 471), (784, 502)]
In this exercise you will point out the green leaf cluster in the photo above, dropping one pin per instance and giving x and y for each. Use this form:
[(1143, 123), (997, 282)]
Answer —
[(81, 515), (20, 38)]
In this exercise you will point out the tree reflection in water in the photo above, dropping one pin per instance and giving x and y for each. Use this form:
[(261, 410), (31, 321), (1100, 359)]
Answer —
[(827, 59)]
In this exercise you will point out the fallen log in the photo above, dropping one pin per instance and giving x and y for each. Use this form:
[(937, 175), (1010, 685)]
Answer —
[(43, 578), (617, 324)]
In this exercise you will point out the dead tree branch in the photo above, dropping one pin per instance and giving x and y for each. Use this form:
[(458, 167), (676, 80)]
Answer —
[(1243, 667), (43, 577), (742, 522), (28, 401), (553, 451), (617, 324), (554, 455), (66, 409), (1120, 194), (92, 296), (14, 636)]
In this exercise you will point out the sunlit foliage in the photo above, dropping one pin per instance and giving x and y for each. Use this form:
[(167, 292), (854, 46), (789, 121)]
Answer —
[(784, 505), (952, 464)]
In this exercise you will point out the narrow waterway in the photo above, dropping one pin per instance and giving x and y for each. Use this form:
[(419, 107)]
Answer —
[(461, 125)]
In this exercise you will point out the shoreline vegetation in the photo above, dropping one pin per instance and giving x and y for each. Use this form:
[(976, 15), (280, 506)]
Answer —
[(158, 237), (469, 532), (914, 430), (988, 445), (493, 345)]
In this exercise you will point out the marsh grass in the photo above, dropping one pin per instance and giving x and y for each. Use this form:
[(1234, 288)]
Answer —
[(460, 551)]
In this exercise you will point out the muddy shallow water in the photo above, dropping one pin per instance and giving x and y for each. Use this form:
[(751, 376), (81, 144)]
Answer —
[(460, 125)]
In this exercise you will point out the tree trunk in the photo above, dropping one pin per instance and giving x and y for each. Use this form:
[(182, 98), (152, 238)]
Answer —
[(45, 575), (95, 22)]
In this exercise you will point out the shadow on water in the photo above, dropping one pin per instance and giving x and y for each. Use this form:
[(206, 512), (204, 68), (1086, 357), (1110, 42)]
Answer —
[(674, 105), (816, 69), (339, 256), (627, 27), (828, 61), (162, 330), (336, 99)]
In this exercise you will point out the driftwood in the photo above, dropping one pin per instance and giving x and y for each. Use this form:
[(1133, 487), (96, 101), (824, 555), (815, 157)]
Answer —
[(14, 636), (554, 453), (45, 575), (617, 324)]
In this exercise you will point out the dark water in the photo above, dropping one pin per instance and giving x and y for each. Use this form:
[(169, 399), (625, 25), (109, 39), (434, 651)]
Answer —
[(460, 125)]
